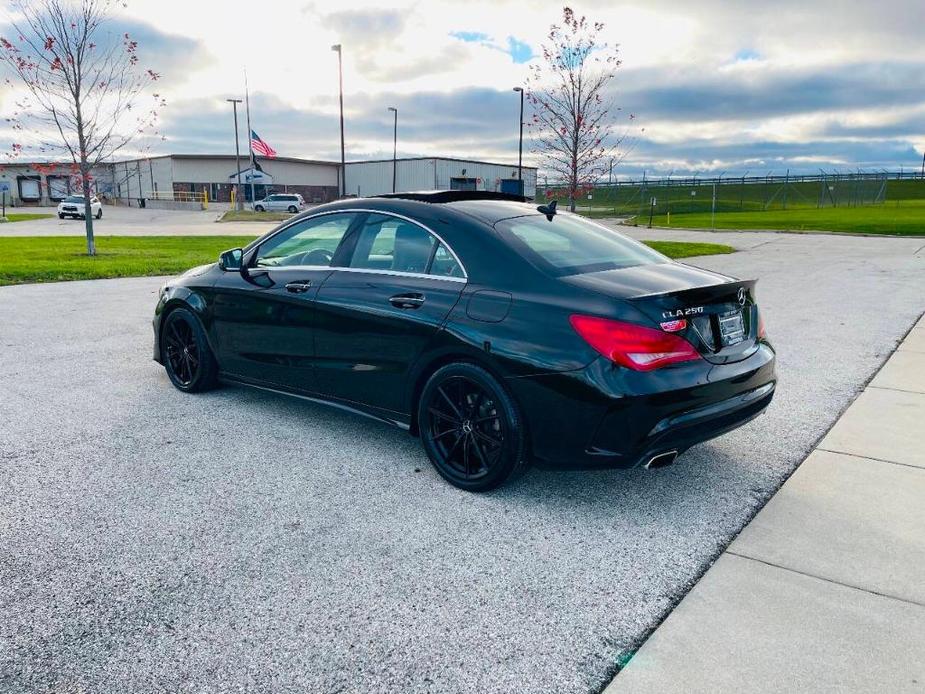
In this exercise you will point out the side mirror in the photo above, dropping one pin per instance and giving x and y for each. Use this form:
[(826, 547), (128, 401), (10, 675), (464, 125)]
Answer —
[(231, 260)]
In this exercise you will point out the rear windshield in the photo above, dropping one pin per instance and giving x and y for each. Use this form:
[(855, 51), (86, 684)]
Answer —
[(73, 198), (569, 245)]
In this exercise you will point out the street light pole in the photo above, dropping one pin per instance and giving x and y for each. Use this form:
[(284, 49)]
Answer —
[(520, 146), (340, 79), (394, 148), (239, 203)]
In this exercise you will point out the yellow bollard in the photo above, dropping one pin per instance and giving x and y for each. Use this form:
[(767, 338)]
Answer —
[(205, 200)]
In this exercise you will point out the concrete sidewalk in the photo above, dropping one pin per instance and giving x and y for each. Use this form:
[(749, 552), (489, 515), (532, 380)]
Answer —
[(825, 589)]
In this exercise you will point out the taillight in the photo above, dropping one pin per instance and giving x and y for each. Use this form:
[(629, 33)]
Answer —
[(633, 346), (761, 329)]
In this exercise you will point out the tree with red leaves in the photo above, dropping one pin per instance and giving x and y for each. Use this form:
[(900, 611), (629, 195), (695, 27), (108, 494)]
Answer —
[(573, 111), (84, 85)]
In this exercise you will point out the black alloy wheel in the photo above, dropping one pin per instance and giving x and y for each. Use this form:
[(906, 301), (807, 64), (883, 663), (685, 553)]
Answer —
[(186, 353), (470, 427), (99, 213)]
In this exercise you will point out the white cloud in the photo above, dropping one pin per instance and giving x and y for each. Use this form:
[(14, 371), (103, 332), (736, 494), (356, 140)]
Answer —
[(745, 78)]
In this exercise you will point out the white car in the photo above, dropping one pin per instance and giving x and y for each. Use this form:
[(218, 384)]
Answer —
[(73, 206), (282, 202)]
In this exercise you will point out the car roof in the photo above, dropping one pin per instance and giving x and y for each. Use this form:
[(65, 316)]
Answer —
[(487, 206), (491, 211), (487, 211), (441, 196), (456, 222)]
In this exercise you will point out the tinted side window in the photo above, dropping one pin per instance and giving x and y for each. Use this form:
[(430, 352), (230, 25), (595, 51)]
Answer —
[(309, 242), (445, 264), (389, 243)]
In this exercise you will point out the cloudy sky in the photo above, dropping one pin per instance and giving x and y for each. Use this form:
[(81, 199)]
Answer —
[(717, 86)]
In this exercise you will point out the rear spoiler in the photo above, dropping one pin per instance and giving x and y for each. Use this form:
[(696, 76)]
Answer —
[(692, 302)]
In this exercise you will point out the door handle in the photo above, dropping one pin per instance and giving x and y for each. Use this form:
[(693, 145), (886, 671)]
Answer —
[(298, 287), (407, 300)]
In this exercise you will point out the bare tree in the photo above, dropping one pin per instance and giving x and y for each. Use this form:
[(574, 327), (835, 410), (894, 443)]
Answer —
[(84, 85), (573, 124)]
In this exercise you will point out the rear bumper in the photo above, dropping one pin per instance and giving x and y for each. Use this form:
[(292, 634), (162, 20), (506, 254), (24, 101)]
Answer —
[(605, 416), (679, 432)]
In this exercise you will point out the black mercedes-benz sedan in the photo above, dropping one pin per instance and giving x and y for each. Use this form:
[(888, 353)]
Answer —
[(498, 331)]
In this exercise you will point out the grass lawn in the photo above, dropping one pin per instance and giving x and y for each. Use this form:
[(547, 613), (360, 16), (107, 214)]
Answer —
[(251, 216), (906, 219), (25, 216), (684, 249), (59, 258)]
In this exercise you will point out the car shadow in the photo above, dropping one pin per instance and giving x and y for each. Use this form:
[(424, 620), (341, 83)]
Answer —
[(692, 479)]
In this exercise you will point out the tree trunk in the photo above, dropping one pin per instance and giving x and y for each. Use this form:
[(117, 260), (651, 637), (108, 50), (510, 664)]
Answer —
[(88, 210)]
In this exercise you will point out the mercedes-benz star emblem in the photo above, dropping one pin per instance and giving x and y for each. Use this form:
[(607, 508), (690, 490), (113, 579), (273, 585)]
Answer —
[(742, 296)]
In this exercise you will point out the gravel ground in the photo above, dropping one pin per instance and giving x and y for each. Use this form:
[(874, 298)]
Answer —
[(236, 540)]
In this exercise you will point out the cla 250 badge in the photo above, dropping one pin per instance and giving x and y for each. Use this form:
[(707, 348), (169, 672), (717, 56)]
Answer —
[(681, 312)]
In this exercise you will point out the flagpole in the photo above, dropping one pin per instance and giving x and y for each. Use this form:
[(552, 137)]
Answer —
[(250, 139)]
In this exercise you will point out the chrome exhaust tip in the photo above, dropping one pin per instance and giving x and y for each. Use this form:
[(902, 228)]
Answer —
[(661, 460)]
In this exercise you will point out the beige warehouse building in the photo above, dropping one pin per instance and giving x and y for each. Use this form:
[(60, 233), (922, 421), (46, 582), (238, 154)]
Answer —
[(217, 174), (193, 177)]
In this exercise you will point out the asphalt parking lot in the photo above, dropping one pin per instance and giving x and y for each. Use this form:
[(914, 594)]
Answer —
[(132, 221), (236, 540)]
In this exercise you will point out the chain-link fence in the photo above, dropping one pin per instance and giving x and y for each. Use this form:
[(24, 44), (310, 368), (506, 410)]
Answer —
[(746, 193)]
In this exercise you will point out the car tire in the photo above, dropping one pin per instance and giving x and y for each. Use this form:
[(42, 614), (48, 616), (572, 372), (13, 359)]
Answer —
[(99, 213), (258, 208), (471, 428), (60, 216), (186, 354), (293, 209), (81, 216)]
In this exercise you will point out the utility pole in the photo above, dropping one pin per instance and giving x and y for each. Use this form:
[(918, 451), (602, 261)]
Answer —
[(923, 167), (394, 148), (520, 146), (786, 185), (239, 201), (340, 79), (250, 137), (713, 209)]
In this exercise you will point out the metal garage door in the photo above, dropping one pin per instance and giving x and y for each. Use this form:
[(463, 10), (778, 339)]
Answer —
[(512, 186)]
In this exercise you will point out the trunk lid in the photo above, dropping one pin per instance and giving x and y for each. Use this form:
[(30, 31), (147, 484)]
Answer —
[(720, 314)]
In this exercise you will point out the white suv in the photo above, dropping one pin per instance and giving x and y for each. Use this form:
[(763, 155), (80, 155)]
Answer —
[(288, 202), (73, 206)]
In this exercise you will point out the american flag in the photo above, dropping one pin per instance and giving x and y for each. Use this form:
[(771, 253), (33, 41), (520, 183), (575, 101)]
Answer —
[(260, 147)]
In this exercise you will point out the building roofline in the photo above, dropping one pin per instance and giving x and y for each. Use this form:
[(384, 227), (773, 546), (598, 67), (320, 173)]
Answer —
[(292, 160), (43, 162), (464, 161), (230, 157)]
